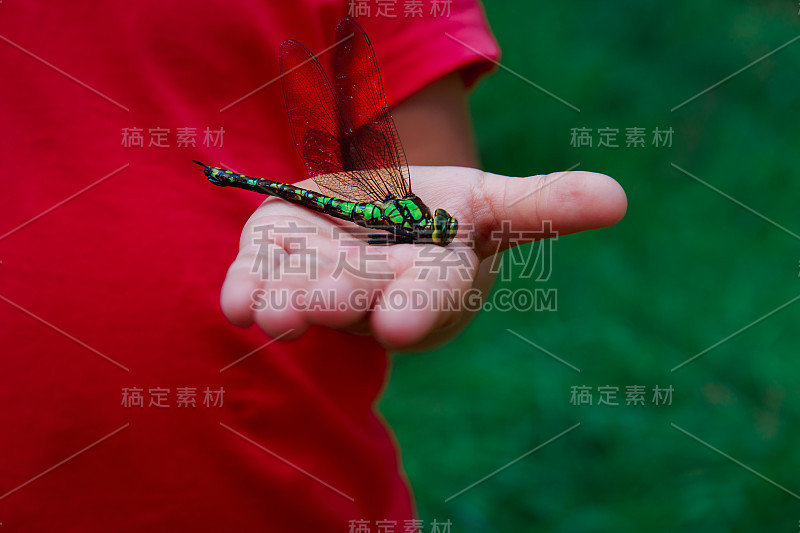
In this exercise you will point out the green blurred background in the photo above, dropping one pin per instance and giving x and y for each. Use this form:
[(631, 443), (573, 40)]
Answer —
[(685, 269)]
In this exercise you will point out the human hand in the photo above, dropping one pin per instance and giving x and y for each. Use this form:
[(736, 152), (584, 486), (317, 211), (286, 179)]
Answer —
[(571, 201)]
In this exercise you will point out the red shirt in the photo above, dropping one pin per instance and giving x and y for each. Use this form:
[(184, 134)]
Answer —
[(113, 254)]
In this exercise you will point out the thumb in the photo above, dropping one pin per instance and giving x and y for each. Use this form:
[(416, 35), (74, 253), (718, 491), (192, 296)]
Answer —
[(559, 203)]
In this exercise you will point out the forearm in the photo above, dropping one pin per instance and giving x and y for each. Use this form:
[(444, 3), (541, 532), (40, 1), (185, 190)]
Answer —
[(435, 126)]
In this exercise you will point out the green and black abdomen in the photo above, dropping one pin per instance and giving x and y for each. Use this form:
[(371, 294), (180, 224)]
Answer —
[(407, 219), (360, 213)]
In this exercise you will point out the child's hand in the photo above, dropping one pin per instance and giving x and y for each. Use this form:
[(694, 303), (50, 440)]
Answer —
[(571, 201)]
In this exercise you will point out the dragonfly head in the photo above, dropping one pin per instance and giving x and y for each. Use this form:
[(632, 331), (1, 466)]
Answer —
[(445, 228)]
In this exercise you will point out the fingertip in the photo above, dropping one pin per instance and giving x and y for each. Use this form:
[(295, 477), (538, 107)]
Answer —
[(398, 329), (406, 315), (579, 200), (287, 324), (607, 202), (237, 297), (238, 317)]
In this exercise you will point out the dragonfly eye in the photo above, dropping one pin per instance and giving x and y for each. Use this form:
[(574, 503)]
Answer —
[(445, 228)]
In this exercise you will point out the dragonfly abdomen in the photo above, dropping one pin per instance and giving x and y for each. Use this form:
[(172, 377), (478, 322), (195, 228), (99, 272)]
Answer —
[(358, 212)]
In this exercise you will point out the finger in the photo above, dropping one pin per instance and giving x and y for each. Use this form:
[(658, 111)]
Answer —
[(566, 202), (428, 294), (243, 281), (261, 254), (278, 307), (321, 279), (345, 284)]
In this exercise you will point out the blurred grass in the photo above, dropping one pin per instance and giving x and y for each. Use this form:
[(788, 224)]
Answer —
[(683, 270)]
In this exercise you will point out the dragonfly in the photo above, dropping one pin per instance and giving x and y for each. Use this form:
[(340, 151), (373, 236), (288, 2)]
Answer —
[(347, 139)]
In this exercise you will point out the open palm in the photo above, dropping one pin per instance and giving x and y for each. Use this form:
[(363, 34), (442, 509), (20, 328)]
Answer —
[(296, 267)]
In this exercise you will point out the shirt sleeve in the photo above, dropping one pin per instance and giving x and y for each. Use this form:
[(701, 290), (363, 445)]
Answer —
[(413, 52)]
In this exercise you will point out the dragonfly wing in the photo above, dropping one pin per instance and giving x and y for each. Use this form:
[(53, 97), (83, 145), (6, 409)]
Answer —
[(318, 127), (332, 151), (372, 141)]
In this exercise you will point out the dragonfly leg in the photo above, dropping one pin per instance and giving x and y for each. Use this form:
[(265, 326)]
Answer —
[(394, 236), (385, 238)]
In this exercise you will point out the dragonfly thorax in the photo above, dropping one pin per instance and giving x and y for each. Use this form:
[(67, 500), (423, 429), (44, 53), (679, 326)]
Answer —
[(412, 215)]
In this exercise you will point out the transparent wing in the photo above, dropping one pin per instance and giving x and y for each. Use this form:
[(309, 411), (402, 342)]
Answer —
[(349, 148), (360, 90)]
